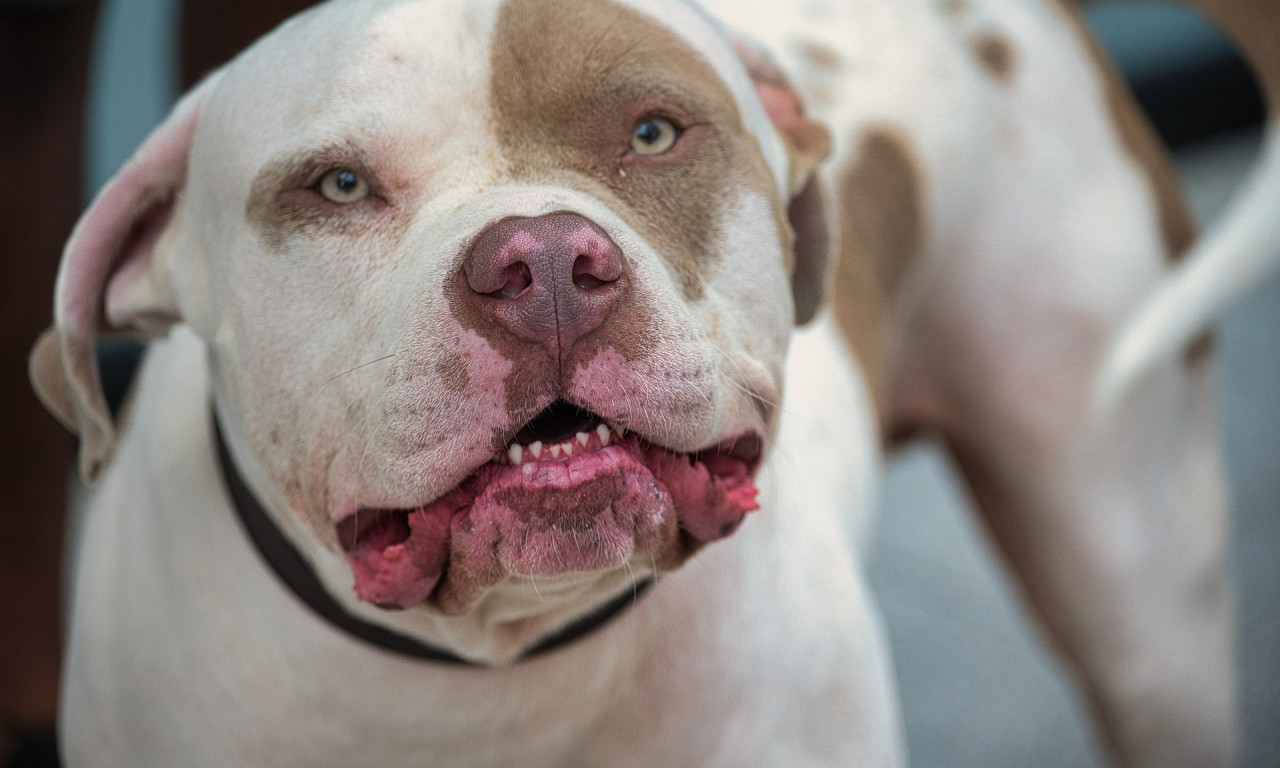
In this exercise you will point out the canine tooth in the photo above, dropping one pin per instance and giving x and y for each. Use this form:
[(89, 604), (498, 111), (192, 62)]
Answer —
[(555, 451), (617, 430), (516, 454), (583, 439), (603, 432), (536, 449)]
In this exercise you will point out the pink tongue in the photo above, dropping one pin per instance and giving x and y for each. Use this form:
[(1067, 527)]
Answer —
[(586, 513)]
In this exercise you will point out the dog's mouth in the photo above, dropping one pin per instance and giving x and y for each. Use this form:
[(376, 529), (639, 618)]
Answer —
[(571, 492)]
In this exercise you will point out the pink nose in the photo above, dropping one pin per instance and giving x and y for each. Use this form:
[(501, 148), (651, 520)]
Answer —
[(548, 279)]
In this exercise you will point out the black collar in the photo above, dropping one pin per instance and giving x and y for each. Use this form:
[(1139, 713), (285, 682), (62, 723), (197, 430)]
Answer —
[(295, 573)]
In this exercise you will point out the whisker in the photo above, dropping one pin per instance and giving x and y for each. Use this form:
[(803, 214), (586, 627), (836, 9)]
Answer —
[(631, 574), (534, 581), (733, 381), (356, 368), (368, 440)]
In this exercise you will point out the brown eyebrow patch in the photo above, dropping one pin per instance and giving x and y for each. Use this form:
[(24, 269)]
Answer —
[(281, 205), (569, 80), (996, 54)]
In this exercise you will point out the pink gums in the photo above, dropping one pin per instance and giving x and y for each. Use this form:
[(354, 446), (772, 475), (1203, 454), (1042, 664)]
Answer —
[(587, 512)]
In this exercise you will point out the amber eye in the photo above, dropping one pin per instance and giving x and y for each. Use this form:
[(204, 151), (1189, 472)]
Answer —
[(653, 136), (343, 186)]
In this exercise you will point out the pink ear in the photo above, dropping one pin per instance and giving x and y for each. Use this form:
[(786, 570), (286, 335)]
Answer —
[(106, 272), (808, 142), (809, 208)]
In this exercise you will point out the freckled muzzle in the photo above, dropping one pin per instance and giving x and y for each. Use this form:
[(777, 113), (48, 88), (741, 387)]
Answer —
[(593, 510)]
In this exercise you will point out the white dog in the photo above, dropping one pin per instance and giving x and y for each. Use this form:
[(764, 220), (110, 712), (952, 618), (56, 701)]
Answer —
[(478, 316)]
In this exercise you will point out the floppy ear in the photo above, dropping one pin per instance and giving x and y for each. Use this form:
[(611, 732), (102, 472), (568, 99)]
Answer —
[(809, 206), (114, 278)]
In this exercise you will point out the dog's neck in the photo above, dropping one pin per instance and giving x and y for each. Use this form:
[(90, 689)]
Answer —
[(296, 574)]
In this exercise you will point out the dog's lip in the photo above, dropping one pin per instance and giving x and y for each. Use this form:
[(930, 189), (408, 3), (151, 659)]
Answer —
[(746, 446), (552, 514)]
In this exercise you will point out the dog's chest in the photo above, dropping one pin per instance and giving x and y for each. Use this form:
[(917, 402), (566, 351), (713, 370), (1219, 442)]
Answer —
[(192, 650)]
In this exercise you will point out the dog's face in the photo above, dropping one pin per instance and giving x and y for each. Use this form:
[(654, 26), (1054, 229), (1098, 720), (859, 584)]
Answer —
[(492, 289)]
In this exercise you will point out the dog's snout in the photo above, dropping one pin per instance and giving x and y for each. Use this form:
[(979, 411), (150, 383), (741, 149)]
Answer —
[(548, 279)]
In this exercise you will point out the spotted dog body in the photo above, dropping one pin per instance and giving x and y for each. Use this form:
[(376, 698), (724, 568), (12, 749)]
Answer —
[(491, 304), (1020, 276)]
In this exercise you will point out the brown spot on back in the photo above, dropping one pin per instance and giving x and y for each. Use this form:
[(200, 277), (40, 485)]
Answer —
[(996, 55), (570, 79), (1200, 349), (820, 55), (1177, 223), (882, 220)]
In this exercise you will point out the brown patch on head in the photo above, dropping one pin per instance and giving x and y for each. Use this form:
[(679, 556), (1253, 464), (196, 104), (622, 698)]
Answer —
[(882, 233), (996, 54), (1177, 223), (283, 203), (955, 7), (570, 80)]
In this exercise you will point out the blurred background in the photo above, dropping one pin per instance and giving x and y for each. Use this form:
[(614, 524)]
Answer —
[(977, 685)]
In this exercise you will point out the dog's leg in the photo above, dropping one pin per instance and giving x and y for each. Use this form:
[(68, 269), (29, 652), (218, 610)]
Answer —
[(1118, 537), (1115, 531)]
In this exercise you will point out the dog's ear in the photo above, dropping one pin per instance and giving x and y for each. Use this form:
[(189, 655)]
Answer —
[(114, 279), (809, 206)]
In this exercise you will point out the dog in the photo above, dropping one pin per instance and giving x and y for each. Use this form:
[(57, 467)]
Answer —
[(464, 438)]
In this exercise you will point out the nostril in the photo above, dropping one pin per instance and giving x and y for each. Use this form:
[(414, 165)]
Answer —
[(587, 282), (584, 276), (516, 279)]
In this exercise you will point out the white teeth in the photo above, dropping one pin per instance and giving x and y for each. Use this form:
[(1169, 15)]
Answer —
[(606, 433)]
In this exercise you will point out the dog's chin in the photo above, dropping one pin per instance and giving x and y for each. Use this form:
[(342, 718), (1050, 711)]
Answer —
[(592, 502)]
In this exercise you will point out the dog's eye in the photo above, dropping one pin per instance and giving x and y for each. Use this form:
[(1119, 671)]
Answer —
[(653, 136), (343, 186)]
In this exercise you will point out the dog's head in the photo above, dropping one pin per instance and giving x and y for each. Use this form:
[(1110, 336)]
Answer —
[(492, 289)]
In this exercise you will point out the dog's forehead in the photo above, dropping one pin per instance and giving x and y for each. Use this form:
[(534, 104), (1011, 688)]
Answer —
[(355, 67), (689, 28)]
